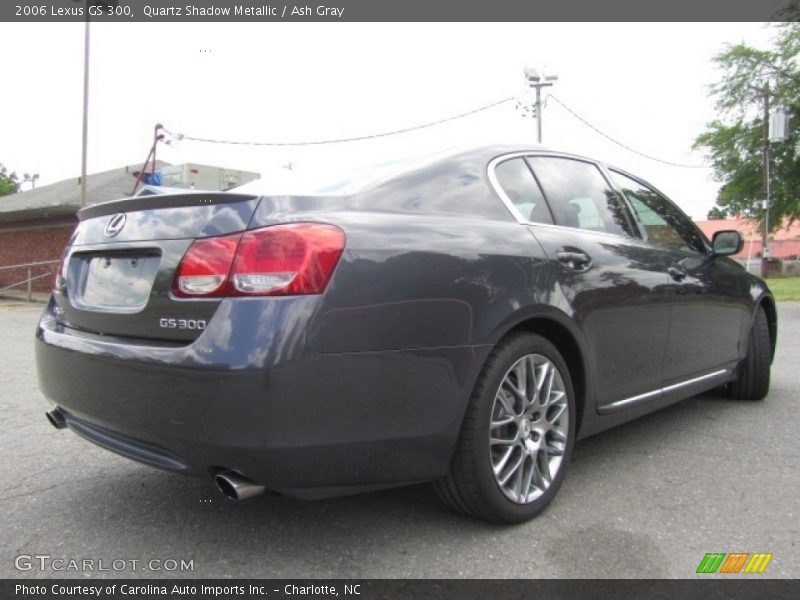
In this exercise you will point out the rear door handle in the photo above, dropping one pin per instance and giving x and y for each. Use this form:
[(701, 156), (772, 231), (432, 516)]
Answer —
[(676, 274), (574, 258)]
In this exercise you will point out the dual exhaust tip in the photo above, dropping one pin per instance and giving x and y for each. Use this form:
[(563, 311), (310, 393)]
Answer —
[(234, 485)]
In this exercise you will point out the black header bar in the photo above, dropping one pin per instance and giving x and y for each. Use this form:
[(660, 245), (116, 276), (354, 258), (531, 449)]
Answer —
[(397, 10), (711, 588)]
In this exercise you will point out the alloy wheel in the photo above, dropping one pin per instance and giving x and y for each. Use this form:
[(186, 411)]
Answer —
[(529, 428)]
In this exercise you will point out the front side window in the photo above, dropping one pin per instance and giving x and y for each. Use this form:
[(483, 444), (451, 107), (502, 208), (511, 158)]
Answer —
[(665, 225), (579, 195), (518, 183)]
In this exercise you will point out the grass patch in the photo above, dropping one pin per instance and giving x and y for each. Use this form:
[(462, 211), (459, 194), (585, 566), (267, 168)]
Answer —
[(785, 288)]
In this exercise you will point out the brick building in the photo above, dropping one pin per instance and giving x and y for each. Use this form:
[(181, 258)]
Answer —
[(36, 224), (784, 242)]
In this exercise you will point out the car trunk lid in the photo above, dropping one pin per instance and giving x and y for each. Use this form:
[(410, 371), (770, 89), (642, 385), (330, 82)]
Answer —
[(118, 270)]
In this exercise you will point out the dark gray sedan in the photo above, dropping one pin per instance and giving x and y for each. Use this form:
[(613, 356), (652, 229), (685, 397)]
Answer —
[(460, 319)]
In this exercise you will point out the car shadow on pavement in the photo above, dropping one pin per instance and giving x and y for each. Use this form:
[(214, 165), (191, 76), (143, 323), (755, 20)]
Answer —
[(142, 512)]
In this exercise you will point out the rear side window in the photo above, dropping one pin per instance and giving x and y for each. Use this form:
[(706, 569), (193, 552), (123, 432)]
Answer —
[(518, 183), (664, 224), (580, 196)]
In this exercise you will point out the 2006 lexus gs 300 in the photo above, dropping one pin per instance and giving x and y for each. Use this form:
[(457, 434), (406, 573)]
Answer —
[(461, 320)]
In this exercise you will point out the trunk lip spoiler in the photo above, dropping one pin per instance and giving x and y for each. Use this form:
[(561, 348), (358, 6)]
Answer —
[(138, 203)]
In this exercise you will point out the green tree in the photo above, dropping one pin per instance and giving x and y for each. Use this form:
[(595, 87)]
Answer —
[(8, 181), (717, 213), (734, 142)]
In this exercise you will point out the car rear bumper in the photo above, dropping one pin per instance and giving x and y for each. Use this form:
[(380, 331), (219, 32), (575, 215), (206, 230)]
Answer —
[(301, 423)]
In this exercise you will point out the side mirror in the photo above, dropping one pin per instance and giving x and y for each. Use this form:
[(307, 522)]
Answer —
[(727, 242)]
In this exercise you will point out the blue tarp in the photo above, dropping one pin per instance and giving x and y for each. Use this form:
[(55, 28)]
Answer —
[(152, 178)]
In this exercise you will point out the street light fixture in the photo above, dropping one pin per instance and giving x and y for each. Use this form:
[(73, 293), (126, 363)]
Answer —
[(32, 179), (535, 80)]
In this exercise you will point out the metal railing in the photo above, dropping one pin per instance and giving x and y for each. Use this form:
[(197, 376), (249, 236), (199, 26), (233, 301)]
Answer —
[(31, 278)]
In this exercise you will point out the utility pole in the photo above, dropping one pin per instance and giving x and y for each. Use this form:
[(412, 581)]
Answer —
[(85, 106), (767, 187), (535, 80)]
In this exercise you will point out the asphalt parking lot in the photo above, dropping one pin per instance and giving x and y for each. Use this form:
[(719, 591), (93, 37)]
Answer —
[(648, 499)]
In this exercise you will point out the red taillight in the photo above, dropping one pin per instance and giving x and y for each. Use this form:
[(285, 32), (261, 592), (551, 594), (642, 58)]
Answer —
[(286, 260), (61, 271), (205, 267), (281, 260), (58, 282)]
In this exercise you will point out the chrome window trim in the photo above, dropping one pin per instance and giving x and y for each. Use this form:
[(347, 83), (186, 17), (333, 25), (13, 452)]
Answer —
[(609, 173), (495, 183), (615, 406), (606, 234), (510, 206), (634, 217)]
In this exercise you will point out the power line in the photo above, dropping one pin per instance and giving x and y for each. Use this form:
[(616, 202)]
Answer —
[(181, 136), (618, 143)]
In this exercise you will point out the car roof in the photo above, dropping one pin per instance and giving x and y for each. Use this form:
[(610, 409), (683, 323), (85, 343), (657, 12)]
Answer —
[(365, 171)]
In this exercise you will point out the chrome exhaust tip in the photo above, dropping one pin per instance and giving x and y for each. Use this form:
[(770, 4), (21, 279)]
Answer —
[(56, 418), (236, 486)]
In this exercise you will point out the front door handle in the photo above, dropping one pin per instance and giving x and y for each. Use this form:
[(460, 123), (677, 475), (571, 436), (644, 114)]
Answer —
[(676, 274), (574, 258)]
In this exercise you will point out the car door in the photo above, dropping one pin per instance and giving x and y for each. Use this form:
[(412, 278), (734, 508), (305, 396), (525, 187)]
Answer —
[(611, 283), (708, 301)]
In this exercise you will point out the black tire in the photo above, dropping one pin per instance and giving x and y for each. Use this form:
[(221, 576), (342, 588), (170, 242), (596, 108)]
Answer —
[(470, 485), (752, 381)]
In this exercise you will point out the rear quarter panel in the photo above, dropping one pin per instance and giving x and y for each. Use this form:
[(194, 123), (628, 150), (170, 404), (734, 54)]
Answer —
[(435, 271)]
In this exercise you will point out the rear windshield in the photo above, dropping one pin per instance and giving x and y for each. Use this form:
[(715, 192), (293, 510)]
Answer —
[(345, 176)]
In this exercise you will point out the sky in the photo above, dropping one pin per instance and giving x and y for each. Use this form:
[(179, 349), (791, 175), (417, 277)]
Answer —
[(645, 85)]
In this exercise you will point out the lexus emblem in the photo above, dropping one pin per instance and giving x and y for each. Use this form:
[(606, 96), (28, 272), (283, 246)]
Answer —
[(115, 225)]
